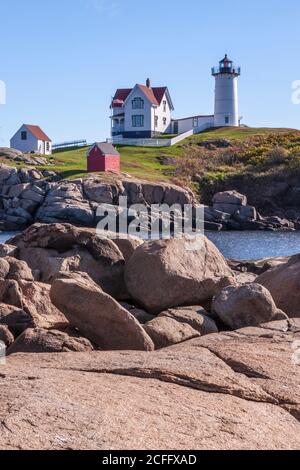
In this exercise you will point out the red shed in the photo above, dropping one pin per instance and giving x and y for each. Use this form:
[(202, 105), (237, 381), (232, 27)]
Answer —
[(103, 157)]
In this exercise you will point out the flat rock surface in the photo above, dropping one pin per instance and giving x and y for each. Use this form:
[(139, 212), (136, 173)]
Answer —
[(223, 391)]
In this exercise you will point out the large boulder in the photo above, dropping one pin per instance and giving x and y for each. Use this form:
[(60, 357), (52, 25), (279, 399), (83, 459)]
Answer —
[(230, 202), (248, 305), (97, 315), (194, 316), (31, 302), (165, 331), (39, 340), (19, 270), (230, 197), (170, 273), (36, 302), (283, 282), (52, 248), (10, 293)]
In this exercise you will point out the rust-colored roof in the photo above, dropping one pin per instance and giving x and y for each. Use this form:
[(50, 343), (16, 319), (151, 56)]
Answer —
[(149, 93), (154, 95), (38, 133)]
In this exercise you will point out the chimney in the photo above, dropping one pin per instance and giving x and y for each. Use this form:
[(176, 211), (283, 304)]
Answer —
[(148, 83)]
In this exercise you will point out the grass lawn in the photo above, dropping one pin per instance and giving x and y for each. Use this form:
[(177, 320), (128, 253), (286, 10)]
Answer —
[(145, 162)]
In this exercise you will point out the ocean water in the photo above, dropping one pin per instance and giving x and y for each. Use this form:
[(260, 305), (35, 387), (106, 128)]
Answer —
[(244, 245), (256, 245)]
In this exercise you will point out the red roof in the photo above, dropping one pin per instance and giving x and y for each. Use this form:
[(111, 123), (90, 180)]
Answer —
[(38, 133), (154, 95)]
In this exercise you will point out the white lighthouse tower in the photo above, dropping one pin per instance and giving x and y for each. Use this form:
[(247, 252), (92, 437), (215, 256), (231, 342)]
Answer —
[(226, 93)]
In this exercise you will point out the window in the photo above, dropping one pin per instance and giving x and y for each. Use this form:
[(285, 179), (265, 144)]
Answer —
[(165, 106), (195, 122), (165, 121), (47, 146), (137, 121), (226, 120), (137, 103), (155, 121), (23, 135)]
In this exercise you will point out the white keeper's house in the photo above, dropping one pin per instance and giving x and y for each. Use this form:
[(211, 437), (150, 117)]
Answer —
[(31, 139), (145, 112)]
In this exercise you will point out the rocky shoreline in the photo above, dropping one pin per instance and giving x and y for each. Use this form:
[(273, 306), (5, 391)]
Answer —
[(28, 196), (93, 326), (167, 318)]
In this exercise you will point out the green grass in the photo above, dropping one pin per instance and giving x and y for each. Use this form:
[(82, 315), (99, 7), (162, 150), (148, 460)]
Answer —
[(144, 162)]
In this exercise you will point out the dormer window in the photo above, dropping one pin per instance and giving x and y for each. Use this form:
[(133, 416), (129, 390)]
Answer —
[(137, 103)]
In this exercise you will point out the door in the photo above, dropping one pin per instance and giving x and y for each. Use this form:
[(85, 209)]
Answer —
[(175, 127)]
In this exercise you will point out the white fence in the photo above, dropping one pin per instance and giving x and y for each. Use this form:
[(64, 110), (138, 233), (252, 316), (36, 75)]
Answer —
[(119, 140)]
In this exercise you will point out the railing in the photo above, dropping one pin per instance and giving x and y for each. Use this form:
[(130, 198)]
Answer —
[(119, 140), (73, 143), (232, 69)]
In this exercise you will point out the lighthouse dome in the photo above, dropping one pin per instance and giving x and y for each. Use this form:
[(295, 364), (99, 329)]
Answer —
[(226, 66)]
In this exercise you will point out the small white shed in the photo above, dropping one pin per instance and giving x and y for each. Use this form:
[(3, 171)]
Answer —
[(31, 139)]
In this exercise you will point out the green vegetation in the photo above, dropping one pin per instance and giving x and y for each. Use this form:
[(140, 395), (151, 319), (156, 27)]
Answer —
[(252, 150)]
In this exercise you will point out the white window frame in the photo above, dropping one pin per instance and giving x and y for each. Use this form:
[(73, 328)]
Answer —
[(138, 120), (138, 103)]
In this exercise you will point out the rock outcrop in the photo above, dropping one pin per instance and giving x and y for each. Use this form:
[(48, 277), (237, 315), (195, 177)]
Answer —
[(235, 391), (29, 195), (16, 156), (49, 249), (170, 273), (231, 210)]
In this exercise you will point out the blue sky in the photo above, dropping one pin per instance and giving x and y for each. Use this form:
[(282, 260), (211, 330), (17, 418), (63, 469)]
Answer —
[(62, 60)]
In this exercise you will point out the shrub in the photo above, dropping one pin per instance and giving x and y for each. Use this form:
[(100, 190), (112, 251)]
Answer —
[(277, 155)]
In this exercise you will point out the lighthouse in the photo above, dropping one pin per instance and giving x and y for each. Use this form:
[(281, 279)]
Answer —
[(226, 93)]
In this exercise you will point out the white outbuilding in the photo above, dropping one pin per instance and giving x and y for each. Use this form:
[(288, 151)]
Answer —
[(31, 139)]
